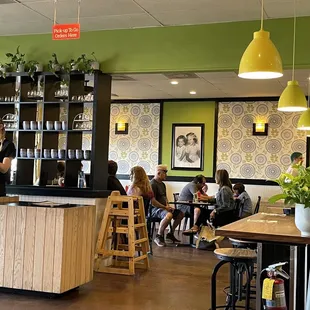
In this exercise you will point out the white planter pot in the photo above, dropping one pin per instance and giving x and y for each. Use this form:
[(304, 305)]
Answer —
[(21, 68), (302, 219), (39, 68), (56, 67), (95, 65)]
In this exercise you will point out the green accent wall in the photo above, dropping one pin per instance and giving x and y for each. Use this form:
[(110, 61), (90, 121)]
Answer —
[(182, 112), (211, 47)]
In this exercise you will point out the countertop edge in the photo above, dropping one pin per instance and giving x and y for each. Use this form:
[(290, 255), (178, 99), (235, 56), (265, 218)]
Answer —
[(56, 191)]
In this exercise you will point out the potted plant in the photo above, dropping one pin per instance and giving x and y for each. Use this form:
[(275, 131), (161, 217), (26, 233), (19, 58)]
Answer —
[(17, 60), (53, 64), (32, 67), (82, 64), (3, 70), (296, 190)]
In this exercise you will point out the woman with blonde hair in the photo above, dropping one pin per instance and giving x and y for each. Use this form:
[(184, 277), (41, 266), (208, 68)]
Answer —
[(140, 186)]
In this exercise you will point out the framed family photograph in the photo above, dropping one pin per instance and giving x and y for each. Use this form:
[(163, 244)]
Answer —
[(187, 146)]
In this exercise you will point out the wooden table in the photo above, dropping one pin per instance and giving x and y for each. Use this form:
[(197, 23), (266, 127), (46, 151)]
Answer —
[(278, 240), (46, 249)]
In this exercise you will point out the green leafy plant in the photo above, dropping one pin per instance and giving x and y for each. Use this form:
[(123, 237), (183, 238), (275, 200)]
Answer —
[(295, 189), (31, 68), (53, 64), (83, 64), (17, 59), (94, 57)]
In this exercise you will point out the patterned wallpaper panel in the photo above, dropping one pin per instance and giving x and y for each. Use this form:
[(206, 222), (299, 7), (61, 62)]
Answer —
[(140, 146), (256, 157)]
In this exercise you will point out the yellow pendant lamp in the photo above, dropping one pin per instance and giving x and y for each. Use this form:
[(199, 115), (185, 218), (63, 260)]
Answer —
[(304, 120), (293, 99), (261, 60)]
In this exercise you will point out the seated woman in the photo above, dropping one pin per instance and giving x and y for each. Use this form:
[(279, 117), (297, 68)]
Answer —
[(244, 198), (140, 186), (225, 204)]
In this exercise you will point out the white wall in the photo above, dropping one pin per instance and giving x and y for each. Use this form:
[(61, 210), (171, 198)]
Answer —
[(265, 191)]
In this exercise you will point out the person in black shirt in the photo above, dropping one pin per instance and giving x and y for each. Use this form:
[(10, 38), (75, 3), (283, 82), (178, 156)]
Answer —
[(113, 182), (7, 154)]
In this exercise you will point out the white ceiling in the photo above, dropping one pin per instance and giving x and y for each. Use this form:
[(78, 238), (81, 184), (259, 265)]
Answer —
[(35, 16), (207, 85)]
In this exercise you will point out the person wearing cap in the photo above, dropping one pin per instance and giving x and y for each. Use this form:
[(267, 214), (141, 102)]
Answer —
[(161, 208), (7, 154), (296, 159), (113, 182)]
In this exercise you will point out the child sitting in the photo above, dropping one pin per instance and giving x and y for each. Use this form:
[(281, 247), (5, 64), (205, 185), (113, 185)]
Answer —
[(245, 200)]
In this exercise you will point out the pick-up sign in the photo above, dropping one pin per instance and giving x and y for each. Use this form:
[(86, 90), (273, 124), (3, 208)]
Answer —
[(66, 31)]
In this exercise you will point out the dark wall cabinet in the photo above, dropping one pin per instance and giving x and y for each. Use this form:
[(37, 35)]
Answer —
[(59, 124)]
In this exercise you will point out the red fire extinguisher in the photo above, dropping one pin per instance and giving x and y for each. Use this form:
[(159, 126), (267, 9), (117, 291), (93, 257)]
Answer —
[(273, 287)]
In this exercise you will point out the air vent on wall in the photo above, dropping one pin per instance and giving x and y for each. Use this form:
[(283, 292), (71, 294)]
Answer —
[(121, 77), (7, 1), (181, 75)]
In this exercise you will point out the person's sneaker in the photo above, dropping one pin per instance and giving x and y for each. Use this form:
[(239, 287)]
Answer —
[(172, 238), (160, 241)]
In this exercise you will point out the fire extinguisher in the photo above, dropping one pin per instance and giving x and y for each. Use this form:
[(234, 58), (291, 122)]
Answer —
[(273, 287)]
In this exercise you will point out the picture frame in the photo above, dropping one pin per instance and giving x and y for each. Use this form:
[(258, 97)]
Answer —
[(187, 146)]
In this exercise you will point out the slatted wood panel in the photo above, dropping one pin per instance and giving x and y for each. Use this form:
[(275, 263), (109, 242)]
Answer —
[(46, 249)]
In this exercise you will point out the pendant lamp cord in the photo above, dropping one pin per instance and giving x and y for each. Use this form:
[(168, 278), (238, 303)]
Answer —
[(262, 16), (55, 11), (79, 10), (294, 42)]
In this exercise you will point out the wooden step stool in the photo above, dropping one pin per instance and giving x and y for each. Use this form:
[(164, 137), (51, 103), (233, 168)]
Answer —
[(112, 244)]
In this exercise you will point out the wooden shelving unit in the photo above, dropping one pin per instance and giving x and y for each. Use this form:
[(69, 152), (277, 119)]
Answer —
[(40, 171)]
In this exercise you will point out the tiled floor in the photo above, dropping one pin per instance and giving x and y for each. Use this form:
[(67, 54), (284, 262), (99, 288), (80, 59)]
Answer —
[(179, 279)]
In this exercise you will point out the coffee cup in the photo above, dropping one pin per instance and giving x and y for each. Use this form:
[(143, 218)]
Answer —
[(49, 125), (64, 125), (26, 125), (47, 153), (23, 152), (33, 125), (40, 125), (57, 125), (79, 154), (61, 153), (54, 153), (87, 154), (71, 154), (30, 153), (37, 153)]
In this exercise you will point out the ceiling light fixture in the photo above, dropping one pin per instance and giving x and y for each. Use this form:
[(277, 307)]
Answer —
[(261, 60), (192, 92), (304, 120), (174, 82), (292, 98)]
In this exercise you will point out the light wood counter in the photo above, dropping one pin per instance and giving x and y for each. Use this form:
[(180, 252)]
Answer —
[(265, 227), (46, 249)]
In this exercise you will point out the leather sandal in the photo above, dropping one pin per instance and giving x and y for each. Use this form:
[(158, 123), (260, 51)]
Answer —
[(190, 231)]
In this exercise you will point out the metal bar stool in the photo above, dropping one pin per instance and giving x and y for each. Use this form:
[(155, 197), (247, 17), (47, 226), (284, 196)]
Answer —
[(240, 261)]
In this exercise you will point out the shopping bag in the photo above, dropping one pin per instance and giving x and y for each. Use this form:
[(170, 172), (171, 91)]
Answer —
[(207, 236)]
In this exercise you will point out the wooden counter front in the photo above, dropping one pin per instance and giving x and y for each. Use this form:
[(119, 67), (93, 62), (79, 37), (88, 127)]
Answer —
[(262, 227), (46, 249)]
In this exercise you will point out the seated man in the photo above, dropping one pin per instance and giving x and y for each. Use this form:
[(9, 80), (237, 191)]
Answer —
[(161, 209), (187, 194), (113, 182)]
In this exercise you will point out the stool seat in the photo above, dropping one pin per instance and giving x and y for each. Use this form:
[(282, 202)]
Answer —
[(229, 254)]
